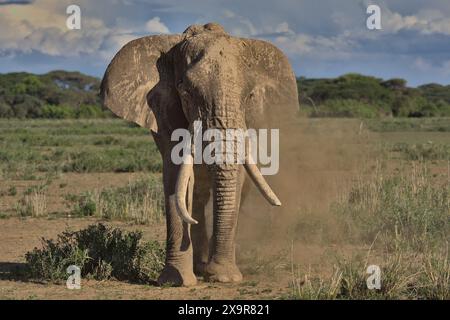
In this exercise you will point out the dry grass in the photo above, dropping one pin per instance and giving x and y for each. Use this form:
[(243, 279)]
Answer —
[(34, 204), (140, 202)]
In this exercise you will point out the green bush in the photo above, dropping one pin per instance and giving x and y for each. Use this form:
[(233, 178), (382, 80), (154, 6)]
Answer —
[(347, 108), (84, 205), (90, 111), (58, 112), (100, 252), (12, 191)]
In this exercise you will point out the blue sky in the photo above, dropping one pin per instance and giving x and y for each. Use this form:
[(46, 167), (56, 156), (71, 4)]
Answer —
[(322, 38)]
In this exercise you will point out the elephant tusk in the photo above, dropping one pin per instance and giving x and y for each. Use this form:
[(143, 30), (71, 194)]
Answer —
[(261, 183), (184, 174)]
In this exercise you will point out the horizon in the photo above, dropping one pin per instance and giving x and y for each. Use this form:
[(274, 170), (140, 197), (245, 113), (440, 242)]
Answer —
[(296, 76), (321, 40)]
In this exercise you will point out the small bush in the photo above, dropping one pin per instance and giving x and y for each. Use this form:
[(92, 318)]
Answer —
[(58, 112), (346, 108), (101, 253), (83, 205), (89, 112), (12, 191)]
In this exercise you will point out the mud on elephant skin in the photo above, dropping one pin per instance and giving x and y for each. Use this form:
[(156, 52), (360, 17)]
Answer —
[(167, 82)]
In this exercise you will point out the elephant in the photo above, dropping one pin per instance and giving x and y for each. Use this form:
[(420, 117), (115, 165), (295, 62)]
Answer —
[(166, 82)]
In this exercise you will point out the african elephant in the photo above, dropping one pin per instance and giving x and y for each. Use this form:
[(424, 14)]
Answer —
[(166, 82)]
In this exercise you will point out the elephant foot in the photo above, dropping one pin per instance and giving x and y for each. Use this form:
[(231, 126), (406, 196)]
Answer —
[(222, 272), (172, 276)]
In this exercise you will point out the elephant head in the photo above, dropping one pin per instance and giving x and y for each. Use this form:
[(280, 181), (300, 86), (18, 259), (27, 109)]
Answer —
[(167, 82)]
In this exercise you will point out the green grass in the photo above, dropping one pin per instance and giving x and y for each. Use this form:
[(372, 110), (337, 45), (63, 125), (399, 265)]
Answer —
[(422, 151), (31, 148), (410, 208), (409, 124)]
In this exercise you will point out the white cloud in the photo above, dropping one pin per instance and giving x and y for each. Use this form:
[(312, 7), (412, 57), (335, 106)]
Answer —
[(283, 28), (238, 25), (43, 29), (316, 46), (155, 25), (425, 21)]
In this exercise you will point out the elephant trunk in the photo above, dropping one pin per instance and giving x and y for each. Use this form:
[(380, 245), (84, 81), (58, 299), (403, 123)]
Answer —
[(225, 179)]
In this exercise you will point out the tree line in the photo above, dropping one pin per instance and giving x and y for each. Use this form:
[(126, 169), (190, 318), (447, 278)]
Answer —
[(57, 94), (63, 94), (355, 95)]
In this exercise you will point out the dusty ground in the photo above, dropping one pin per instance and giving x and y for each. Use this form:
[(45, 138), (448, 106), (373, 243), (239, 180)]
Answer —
[(17, 236)]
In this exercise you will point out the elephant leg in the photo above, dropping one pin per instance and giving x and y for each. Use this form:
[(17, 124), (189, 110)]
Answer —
[(201, 232), (223, 268), (178, 269)]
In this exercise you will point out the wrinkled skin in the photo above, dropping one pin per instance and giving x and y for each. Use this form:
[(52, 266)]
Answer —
[(167, 82)]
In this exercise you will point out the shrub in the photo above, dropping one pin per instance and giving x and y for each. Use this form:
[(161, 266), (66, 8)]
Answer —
[(57, 112), (84, 205), (89, 111), (100, 252), (346, 108), (12, 191)]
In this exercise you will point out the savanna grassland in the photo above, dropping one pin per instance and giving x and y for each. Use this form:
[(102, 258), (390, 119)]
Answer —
[(370, 192)]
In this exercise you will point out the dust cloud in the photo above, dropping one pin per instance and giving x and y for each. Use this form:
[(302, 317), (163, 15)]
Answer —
[(318, 159)]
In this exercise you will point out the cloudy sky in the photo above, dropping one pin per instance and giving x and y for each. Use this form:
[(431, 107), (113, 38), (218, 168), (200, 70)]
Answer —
[(322, 38)]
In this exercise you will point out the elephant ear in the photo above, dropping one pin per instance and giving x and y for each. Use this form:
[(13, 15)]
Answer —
[(138, 83), (272, 86)]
